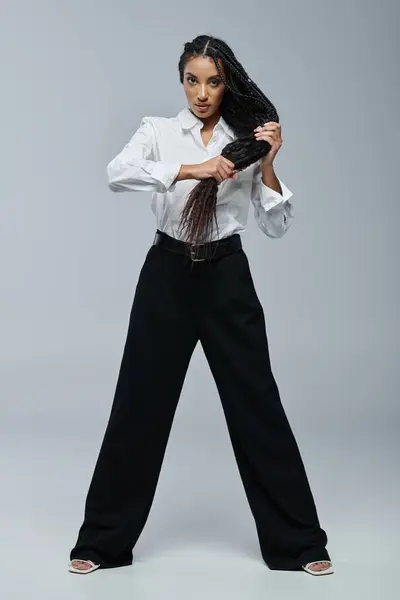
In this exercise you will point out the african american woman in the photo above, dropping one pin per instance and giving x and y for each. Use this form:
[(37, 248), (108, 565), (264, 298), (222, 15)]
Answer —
[(203, 167)]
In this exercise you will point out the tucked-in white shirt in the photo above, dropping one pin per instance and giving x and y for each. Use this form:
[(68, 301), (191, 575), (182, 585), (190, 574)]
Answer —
[(151, 160)]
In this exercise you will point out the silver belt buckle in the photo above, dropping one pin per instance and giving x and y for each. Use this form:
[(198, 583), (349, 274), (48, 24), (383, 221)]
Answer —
[(193, 254)]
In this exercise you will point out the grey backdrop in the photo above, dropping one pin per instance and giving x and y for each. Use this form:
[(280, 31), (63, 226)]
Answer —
[(77, 76)]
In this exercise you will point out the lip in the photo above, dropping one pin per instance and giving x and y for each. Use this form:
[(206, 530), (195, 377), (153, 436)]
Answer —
[(203, 105)]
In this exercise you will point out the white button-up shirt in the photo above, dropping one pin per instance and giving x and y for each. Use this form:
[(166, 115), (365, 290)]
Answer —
[(151, 160)]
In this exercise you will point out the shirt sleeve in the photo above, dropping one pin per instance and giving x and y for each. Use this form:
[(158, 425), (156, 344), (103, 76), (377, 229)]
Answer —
[(272, 210), (134, 168)]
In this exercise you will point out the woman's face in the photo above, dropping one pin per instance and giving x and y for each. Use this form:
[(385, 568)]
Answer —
[(203, 85)]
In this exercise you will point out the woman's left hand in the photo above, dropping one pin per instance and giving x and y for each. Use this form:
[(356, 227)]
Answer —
[(270, 132)]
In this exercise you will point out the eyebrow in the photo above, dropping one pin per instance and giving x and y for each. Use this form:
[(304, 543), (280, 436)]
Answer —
[(212, 76)]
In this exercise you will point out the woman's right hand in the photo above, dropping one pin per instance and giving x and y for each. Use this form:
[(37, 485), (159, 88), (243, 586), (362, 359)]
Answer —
[(218, 167)]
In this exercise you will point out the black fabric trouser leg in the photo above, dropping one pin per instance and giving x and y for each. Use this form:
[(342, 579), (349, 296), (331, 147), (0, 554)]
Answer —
[(233, 335), (176, 302), (160, 341)]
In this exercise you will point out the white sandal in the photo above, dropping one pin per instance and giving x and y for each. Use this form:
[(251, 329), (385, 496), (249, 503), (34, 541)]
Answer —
[(323, 572), (93, 566)]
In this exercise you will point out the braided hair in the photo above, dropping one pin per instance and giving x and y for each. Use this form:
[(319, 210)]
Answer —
[(244, 107)]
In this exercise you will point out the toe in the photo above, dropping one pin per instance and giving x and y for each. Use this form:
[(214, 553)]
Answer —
[(82, 565), (321, 566)]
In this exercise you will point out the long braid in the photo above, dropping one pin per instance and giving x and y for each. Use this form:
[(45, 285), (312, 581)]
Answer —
[(244, 106)]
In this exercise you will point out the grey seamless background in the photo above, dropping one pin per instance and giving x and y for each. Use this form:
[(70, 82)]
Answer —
[(77, 76)]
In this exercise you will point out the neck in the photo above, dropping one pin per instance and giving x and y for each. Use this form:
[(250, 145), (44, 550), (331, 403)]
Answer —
[(210, 122)]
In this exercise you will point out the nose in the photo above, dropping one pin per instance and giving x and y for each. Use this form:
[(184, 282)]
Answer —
[(203, 93)]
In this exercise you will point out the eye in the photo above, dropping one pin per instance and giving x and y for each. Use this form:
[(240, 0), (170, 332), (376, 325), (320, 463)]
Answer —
[(215, 82), (190, 78)]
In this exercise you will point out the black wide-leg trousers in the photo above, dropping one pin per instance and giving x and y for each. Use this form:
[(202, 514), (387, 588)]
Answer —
[(177, 303)]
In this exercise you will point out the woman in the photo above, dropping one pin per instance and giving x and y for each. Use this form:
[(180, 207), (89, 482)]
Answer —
[(195, 284)]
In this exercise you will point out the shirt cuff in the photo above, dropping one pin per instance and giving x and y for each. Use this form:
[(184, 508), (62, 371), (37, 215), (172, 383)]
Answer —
[(270, 198), (163, 172)]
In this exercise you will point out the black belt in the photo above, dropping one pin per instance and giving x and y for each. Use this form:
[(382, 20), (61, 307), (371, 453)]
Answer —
[(199, 252)]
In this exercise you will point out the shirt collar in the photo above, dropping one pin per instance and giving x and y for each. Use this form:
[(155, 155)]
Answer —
[(189, 120)]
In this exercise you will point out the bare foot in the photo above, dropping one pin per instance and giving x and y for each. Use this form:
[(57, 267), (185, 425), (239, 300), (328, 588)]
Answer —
[(82, 565), (320, 566)]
